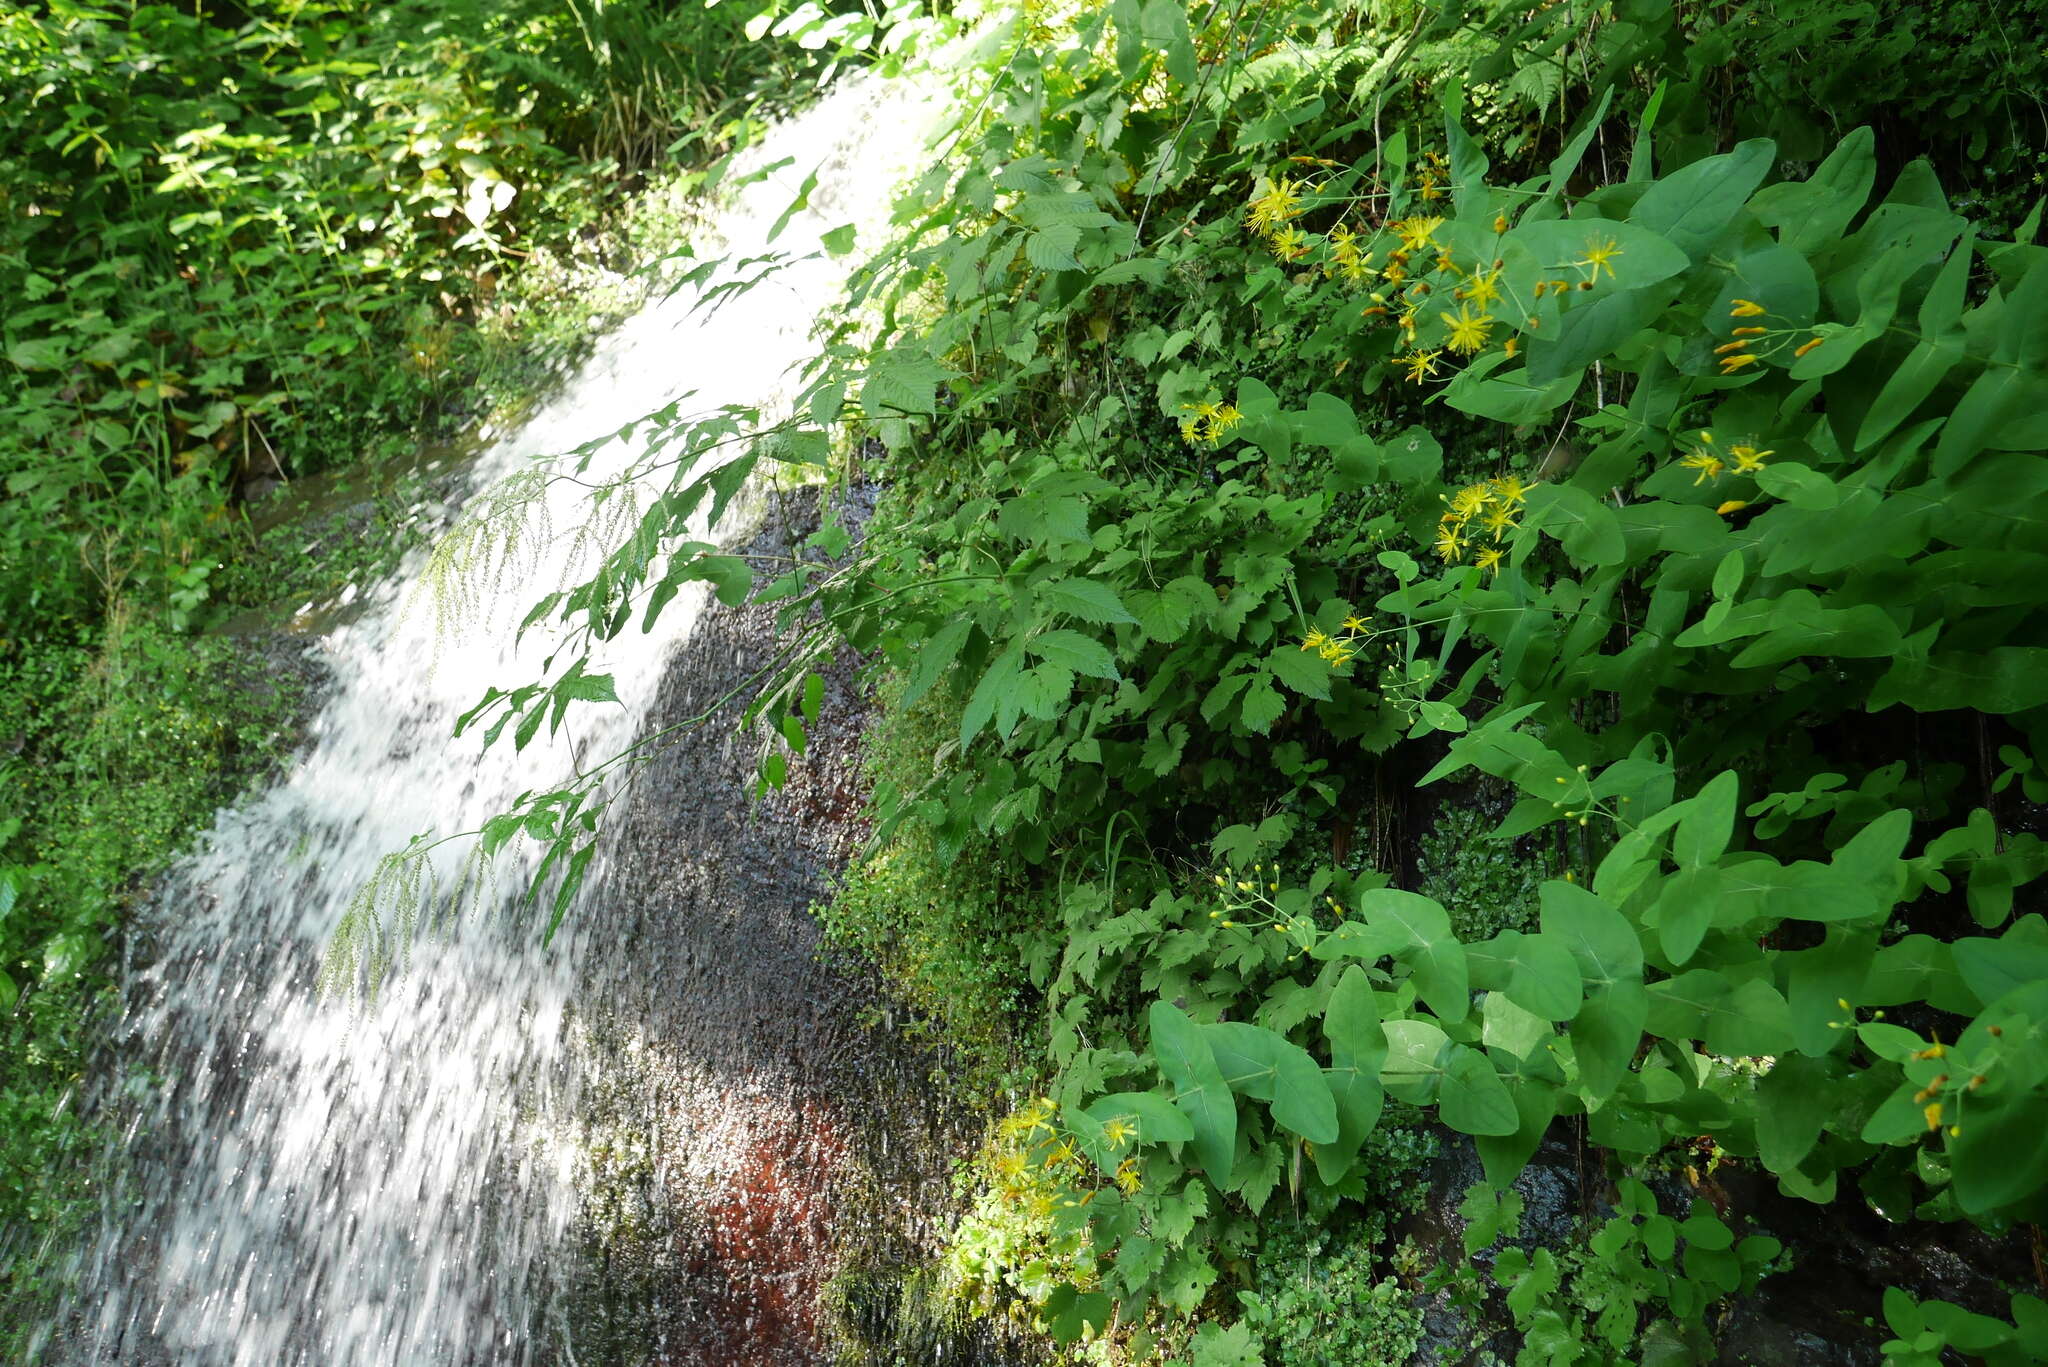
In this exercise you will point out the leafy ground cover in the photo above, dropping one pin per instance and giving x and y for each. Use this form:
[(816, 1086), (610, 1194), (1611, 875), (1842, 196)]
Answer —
[(1291, 411)]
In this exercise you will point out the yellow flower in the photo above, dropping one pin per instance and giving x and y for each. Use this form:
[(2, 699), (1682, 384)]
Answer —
[(1748, 460), (1271, 209), (1289, 244), (1733, 505), (1726, 347), (1116, 1133), (1488, 559), (1932, 1112), (1731, 364), (1483, 289), (1508, 488), (1709, 466), (1500, 223), (1354, 624), (1449, 543), (1417, 232), (1805, 347), (1499, 518), (1510, 347), (1127, 1175), (1337, 653), (1600, 255), (1749, 332), (1469, 500), (1421, 365), (1207, 422), (1468, 330), (1315, 640), (1747, 308), (1345, 257)]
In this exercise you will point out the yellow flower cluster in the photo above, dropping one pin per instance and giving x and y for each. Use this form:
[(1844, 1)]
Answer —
[(1429, 182), (1277, 204), (1341, 648), (1347, 259), (1206, 424), (1489, 508), (1712, 462)]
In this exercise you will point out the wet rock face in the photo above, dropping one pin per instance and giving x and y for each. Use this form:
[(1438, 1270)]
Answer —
[(773, 1119)]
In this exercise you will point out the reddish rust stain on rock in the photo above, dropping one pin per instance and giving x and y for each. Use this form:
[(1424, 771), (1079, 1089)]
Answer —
[(766, 1241)]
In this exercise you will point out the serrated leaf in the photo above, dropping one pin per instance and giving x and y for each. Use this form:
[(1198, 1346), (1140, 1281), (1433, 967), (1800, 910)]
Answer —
[(1304, 671), (1051, 248), (1072, 650), (1262, 703), (1088, 599)]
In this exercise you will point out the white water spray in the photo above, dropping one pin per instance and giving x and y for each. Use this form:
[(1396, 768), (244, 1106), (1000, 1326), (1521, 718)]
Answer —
[(334, 1183)]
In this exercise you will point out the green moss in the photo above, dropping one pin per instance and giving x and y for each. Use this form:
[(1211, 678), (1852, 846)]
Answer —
[(944, 932), (1320, 1298), (1487, 884), (117, 752)]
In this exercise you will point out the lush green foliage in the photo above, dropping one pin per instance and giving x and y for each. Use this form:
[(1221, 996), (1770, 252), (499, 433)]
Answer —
[(1288, 411), (238, 240)]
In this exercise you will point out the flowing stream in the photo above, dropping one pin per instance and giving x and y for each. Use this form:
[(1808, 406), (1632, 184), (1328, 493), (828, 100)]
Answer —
[(324, 1181)]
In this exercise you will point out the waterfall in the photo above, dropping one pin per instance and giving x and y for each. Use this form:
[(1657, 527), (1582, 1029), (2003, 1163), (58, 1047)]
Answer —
[(327, 1181)]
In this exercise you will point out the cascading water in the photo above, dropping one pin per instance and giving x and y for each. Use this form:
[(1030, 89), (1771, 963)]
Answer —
[(328, 1181)]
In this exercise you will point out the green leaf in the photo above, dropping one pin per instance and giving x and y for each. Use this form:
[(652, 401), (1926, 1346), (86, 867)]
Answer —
[(2002, 680), (1514, 398), (1812, 213), (996, 681), (1609, 1026), (1794, 1101), (1536, 972), (1993, 968), (1473, 1099), (1702, 834), (1051, 248), (1262, 703), (1157, 1119), (1165, 26), (1429, 947), (1072, 650), (1263, 1064), (1088, 599), (1358, 1048), (1582, 524), (1642, 257), (934, 658), (1999, 1157), (1304, 671), (903, 380), (1777, 277), (1149, 269), (1916, 378), (1798, 485), (838, 241), (1693, 206), (1417, 1053), (1186, 1061), (1070, 1312)]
